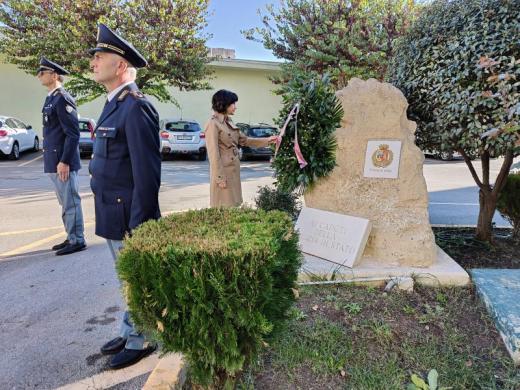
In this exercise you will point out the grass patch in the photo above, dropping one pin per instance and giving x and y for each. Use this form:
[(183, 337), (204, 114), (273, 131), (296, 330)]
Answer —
[(349, 337)]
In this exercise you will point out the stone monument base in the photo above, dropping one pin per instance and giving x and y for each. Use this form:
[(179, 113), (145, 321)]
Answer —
[(443, 272)]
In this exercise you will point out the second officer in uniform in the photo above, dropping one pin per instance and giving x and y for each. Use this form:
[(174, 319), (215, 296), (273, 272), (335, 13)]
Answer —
[(125, 168), (61, 153)]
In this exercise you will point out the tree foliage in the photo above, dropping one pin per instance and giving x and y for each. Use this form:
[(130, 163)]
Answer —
[(168, 33), (344, 39), (459, 67)]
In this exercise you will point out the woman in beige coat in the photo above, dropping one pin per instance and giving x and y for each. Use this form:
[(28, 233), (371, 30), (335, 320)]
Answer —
[(223, 139)]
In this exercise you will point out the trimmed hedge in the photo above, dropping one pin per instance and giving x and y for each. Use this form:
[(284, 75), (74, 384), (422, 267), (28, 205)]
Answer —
[(508, 203), (212, 284)]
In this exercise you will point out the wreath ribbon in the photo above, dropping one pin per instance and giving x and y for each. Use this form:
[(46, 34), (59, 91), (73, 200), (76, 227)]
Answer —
[(297, 151)]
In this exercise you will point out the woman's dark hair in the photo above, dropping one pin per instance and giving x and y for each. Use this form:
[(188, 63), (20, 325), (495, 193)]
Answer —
[(222, 99)]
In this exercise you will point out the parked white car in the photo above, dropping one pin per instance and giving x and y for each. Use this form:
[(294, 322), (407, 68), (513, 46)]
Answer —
[(16, 137), (182, 136)]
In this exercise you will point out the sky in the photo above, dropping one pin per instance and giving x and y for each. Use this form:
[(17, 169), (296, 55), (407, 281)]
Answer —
[(228, 17)]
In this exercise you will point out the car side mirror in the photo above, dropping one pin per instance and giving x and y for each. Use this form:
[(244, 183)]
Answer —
[(29, 127)]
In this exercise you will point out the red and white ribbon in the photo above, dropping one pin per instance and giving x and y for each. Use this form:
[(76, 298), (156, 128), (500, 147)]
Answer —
[(297, 151)]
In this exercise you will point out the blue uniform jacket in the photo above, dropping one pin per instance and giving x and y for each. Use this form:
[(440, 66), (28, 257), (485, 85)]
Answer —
[(126, 166), (60, 132)]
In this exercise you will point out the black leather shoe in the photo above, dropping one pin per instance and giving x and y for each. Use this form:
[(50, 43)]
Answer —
[(60, 246), (113, 346), (71, 248), (127, 357)]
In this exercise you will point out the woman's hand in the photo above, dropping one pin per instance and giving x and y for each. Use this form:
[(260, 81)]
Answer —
[(222, 184), (272, 139)]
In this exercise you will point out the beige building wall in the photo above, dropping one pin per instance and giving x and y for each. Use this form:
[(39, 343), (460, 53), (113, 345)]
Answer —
[(22, 96)]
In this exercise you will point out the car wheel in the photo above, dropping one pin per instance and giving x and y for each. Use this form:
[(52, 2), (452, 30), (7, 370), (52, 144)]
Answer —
[(446, 156), (36, 145), (15, 152), (241, 155), (202, 156)]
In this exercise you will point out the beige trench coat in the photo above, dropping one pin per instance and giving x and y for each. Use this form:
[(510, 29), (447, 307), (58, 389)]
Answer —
[(223, 139)]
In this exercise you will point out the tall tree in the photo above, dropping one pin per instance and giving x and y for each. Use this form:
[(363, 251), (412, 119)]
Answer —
[(459, 67), (169, 33), (342, 38)]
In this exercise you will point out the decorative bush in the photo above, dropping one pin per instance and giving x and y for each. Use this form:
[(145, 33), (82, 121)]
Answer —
[(320, 115), (269, 198), (508, 203), (211, 284)]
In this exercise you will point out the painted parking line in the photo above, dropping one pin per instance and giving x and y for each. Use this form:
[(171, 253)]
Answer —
[(109, 379), (453, 204), (43, 241), (87, 223), (15, 232), (36, 230), (37, 243), (30, 161), (32, 245)]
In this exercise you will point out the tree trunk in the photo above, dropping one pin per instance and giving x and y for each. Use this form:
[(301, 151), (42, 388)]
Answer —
[(488, 204), (488, 194)]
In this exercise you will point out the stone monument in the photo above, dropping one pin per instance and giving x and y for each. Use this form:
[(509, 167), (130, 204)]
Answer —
[(379, 176)]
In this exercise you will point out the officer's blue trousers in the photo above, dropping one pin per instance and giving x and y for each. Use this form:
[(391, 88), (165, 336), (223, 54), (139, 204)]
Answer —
[(135, 340), (67, 193)]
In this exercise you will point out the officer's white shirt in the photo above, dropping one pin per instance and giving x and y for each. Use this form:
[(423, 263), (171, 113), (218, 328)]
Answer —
[(113, 94)]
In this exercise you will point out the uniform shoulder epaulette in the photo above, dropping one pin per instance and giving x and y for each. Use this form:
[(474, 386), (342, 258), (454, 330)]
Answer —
[(126, 92), (137, 94), (123, 95), (69, 99)]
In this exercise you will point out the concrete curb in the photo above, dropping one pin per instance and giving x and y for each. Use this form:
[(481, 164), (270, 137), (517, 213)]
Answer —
[(168, 374), (443, 272), (498, 289)]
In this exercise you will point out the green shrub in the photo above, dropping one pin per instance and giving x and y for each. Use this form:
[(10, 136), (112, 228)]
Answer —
[(212, 284), (508, 203), (270, 198)]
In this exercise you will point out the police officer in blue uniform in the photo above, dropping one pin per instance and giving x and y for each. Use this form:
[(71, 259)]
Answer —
[(61, 153), (125, 168)]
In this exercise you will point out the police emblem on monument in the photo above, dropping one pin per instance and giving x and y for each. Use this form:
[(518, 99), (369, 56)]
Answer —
[(382, 159)]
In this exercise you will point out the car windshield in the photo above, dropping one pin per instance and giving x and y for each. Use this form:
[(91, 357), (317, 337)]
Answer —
[(182, 126), (259, 132)]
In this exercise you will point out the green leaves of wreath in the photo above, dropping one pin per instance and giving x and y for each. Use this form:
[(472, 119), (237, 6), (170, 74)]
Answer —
[(320, 115)]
